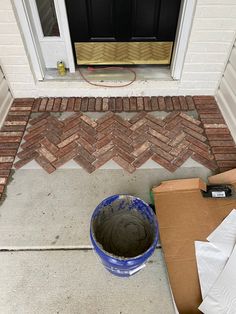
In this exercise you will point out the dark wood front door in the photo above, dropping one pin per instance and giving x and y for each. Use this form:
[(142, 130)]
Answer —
[(122, 20)]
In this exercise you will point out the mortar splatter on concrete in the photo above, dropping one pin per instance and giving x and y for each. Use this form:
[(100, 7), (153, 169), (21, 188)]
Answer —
[(55, 241)]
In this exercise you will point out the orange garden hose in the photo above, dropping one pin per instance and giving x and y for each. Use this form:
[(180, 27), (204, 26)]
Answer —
[(109, 68)]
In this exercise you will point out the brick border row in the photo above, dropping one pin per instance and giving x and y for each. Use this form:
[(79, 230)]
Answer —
[(11, 135), (217, 132), (114, 104)]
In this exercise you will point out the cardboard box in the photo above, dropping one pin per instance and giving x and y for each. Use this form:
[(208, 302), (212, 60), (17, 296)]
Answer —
[(184, 216)]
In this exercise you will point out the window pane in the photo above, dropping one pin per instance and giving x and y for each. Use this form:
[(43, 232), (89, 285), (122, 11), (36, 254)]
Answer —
[(48, 18)]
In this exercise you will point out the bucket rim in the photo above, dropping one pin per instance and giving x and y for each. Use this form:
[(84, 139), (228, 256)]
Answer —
[(99, 247)]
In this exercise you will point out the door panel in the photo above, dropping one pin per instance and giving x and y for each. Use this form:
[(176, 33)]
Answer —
[(145, 17), (78, 19), (100, 25), (122, 20), (168, 19), (53, 51)]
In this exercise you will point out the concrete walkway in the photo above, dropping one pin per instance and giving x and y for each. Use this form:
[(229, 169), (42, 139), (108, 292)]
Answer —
[(74, 282), (51, 267)]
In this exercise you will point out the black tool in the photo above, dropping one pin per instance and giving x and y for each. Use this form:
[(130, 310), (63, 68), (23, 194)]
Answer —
[(218, 191)]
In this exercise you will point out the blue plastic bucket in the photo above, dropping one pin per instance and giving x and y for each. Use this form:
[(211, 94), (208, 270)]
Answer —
[(124, 234)]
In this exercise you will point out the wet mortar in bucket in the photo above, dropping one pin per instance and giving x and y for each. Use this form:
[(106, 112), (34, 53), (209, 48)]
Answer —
[(123, 228)]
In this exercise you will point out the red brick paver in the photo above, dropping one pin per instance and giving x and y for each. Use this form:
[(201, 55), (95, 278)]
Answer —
[(217, 132), (11, 135), (115, 104), (130, 143)]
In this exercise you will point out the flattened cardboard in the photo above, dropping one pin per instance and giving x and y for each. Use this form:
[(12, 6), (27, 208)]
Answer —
[(184, 216), (228, 177), (180, 185)]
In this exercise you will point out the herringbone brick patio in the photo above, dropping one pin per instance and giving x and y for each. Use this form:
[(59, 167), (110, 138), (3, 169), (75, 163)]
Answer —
[(130, 143), (169, 142)]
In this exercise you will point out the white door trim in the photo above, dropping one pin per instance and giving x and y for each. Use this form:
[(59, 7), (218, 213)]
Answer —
[(64, 28), (184, 27), (30, 42), (187, 11), (53, 48)]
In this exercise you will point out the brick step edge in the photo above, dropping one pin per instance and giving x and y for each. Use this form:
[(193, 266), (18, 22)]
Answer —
[(114, 104)]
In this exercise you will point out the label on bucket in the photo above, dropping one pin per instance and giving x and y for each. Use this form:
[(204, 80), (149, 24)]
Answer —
[(133, 271)]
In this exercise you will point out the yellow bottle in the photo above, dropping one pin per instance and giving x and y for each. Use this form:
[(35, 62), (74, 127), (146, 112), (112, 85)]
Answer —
[(61, 68)]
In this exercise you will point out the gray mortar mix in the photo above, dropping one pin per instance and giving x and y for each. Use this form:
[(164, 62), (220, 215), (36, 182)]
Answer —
[(123, 232)]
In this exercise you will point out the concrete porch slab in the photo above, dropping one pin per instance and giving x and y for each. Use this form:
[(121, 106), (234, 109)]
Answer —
[(75, 282), (53, 211)]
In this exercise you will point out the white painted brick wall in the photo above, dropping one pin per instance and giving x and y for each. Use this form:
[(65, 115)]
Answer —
[(13, 55), (226, 94), (211, 40), (5, 97)]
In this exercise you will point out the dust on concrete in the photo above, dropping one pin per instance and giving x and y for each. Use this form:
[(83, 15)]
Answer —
[(123, 232)]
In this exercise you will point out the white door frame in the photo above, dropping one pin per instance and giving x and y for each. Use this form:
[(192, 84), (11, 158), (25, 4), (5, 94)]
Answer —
[(36, 59), (64, 28), (32, 36), (187, 11), (184, 27), (53, 48)]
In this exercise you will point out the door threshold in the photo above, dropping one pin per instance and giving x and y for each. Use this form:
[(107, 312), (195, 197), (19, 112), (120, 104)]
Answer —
[(144, 73)]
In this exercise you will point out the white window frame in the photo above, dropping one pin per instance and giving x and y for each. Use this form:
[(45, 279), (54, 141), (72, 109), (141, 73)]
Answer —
[(38, 24), (187, 11)]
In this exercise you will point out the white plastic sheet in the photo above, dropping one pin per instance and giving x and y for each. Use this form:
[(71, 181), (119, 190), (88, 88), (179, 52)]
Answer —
[(222, 297), (216, 268), (210, 263), (224, 236)]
